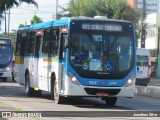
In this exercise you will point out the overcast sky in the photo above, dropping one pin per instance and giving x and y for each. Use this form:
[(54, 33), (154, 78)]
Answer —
[(24, 13)]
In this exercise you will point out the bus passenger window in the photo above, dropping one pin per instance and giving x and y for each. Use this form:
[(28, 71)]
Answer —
[(18, 44), (54, 42), (31, 44), (46, 42), (38, 43), (26, 44)]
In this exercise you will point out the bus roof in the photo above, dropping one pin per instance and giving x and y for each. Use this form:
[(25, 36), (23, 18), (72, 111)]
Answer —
[(63, 22), (24, 28), (41, 25)]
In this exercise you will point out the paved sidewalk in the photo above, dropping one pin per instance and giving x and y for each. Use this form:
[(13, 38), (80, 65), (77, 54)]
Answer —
[(152, 90), (154, 82)]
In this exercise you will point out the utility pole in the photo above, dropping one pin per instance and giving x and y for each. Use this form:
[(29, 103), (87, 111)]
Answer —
[(158, 55), (9, 21), (5, 33), (56, 9), (143, 37)]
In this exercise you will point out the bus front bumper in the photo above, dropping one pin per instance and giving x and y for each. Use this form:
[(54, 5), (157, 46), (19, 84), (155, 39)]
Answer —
[(80, 90), (5, 74)]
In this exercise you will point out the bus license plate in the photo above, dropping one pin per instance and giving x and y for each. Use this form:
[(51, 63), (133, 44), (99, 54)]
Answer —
[(101, 94)]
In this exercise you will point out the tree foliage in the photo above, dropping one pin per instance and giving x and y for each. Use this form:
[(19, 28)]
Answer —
[(116, 9), (21, 25), (8, 4), (113, 9), (36, 19)]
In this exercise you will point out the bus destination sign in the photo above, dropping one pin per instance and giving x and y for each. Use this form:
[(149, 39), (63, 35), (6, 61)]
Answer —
[(105, 27)]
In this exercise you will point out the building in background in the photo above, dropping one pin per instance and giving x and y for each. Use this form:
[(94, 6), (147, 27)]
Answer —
[(153, 25), (152, 19), (132, 3), (151, 6)]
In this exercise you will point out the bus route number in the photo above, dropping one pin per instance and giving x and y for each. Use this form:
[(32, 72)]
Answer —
[(92, 82)]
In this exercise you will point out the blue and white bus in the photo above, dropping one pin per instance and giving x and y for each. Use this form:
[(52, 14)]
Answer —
[(77, 57), (6, 55)]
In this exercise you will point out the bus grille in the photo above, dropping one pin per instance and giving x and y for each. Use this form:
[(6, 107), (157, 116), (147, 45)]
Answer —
[(94, 91)]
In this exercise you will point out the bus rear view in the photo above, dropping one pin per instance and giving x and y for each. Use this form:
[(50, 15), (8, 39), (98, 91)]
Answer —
[(5, 58)]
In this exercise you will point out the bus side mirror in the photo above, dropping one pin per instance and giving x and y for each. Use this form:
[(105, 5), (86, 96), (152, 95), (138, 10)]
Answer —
[(65, 41), (137, 68)]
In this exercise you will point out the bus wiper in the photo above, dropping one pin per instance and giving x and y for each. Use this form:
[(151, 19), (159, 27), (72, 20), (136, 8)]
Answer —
[(103, 73)]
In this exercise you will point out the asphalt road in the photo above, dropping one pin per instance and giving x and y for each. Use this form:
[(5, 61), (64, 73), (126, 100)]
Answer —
[(13, 96)]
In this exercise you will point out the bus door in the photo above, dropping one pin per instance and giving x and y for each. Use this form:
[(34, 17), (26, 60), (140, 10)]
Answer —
[(48, 61), (34, 62), (19, 60), (62, 57)]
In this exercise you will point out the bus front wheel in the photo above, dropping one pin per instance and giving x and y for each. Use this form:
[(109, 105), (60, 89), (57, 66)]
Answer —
[(13, 77), (110, 100), (4, 79), (57, 98)]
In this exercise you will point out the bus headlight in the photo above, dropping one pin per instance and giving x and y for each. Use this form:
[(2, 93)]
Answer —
[(74, 79), (7, 69), (130, 81)]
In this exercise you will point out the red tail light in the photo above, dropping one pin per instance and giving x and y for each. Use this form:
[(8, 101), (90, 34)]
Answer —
[(149, 70), (12, 64), (149, 66)]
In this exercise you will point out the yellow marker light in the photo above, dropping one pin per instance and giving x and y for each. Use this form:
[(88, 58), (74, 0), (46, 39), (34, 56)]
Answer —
[(36, 88)]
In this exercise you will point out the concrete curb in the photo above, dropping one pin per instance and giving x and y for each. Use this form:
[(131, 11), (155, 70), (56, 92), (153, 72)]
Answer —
[(149, 91)]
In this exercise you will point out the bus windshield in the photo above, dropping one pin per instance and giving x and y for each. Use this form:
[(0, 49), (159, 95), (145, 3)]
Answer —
[(107, 53), (5, 54)]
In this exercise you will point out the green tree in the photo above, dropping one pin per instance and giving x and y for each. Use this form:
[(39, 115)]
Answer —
[(21, 25), (113, 9), (117, 9), (8, 4), (35, 19)]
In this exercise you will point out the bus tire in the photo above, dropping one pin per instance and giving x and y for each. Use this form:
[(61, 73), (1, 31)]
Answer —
[(37, 93), (29, 91), (52, 86), (57, 98), (13, 77), (111, 101), (4, 79)]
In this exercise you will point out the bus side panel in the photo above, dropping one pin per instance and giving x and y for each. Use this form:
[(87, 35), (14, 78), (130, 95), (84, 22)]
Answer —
[(45, 68), (18, 68), (32, 67)]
